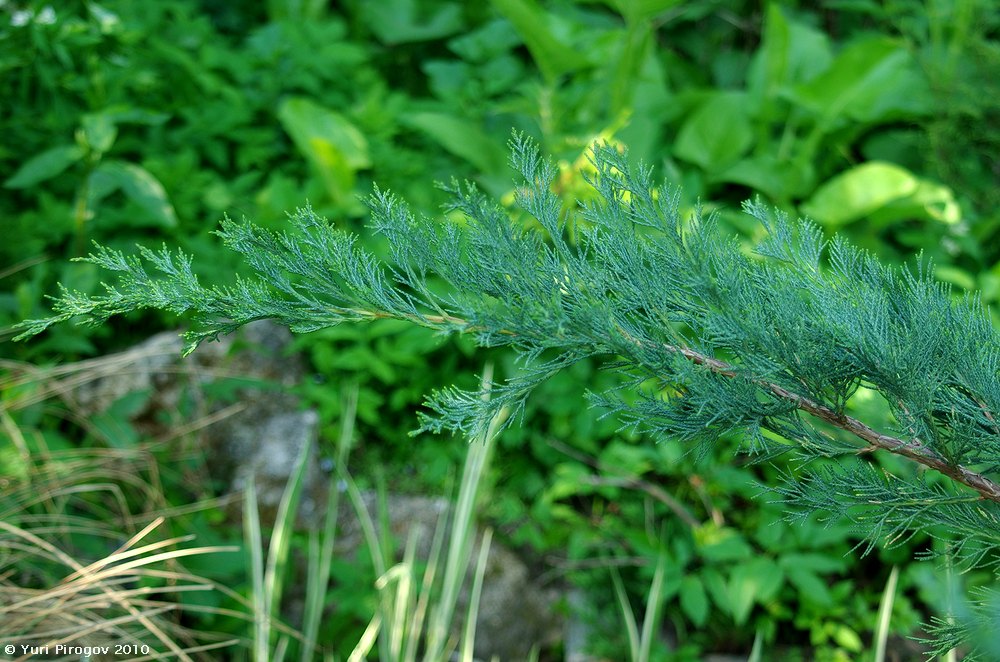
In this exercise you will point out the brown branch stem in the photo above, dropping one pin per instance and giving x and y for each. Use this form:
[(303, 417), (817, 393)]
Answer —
[(913, 449)]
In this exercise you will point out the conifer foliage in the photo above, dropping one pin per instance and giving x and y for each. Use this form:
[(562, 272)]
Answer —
[(710, 339)]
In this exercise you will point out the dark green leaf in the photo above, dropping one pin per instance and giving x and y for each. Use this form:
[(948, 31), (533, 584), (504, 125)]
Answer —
[(139, 186), (752, 582), (460, 137), (333, 145), (694, 601), (99, 131), (45, 166), (811, 587), (790, 53), (717, 133), (402, 21), (871, 81), (552, 52)]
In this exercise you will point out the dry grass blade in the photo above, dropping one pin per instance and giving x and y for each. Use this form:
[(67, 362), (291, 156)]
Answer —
[(56, 505), (85, 602)]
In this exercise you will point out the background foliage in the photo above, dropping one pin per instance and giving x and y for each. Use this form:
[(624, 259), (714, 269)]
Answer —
[(148, 122)]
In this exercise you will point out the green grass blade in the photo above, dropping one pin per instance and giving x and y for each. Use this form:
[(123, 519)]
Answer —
[(281, 535), (653, 604), (626, 608), (367, 641), (252, 536), (427, 585), (375, 547), (462, 530), (321, 549), (757, 652), (885, 614), (469, 638), (280, 650)]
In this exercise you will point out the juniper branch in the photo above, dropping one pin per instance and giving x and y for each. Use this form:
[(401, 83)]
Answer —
[(913, 449), (712, 337)]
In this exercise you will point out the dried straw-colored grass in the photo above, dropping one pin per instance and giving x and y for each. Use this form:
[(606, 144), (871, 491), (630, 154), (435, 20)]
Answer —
[(86, 558)]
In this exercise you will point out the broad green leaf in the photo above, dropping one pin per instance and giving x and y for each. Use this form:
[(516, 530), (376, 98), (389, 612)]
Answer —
[(139, 185), (493, 39), (569, 479), (847, 638), (789, 53), (717, 589), (648, 101), (404, 21), (930, 200), (552, 52), (859, 192), (129, 115), (460, 137), (101, 183), (813, 562), (811, 587), (694, 601), (717, 133), (628, 458), (721, 544), (142, 188), (334, 147), (775, 47), (99, 131), (448, 78), (871, 81), (296, 10), (884, 193), (955, 276), (635, 44), (755, 581), (777, 179), (640, 10), (45, 166), (108, 20)]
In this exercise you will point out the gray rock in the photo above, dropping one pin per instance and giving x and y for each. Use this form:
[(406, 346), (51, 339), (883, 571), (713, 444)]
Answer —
[(577, 629), (515, 613), (256, 351), (262, 436), (266, 447), (99, 383)]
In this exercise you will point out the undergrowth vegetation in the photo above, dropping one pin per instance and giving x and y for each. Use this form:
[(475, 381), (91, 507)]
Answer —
[(147, 122)]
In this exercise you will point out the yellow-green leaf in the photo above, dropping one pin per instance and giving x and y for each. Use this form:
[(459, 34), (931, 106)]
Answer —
[(858, 192), (334, 147)]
